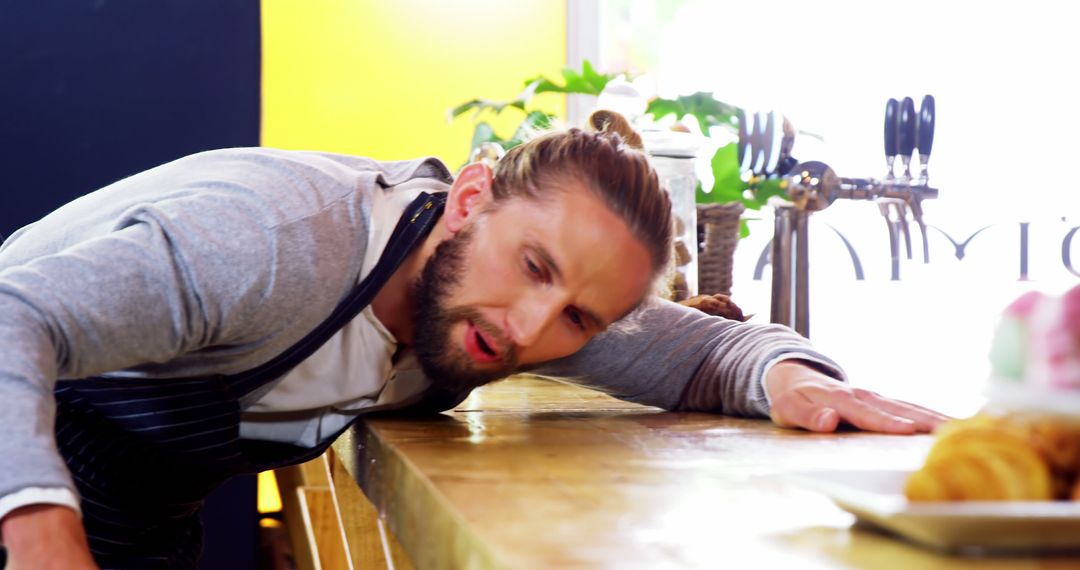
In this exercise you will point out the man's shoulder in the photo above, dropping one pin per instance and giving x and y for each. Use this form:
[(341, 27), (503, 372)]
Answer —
[(277, 186), (387, 172)]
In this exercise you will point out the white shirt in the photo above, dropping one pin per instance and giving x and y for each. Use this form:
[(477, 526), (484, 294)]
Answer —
[(354, 371)]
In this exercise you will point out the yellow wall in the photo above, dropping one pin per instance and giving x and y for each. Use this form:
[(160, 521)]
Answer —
[(376, 77)]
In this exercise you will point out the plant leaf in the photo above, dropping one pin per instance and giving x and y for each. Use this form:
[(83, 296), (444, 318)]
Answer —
[(660, 108), (536, 121), (481, 105), (588, 81), (462, 108), (768, 188), (595, 80), (727, 184), (703, 106), (483, 133)]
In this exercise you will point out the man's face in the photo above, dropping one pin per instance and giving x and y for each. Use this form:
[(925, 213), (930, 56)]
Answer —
[(526, 282)]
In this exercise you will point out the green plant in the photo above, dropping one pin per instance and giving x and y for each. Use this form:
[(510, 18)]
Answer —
[(708, 111), (728, 183), (586, 82)]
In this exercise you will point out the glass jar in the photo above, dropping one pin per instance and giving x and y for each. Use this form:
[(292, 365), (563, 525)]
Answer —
[(674, 156)]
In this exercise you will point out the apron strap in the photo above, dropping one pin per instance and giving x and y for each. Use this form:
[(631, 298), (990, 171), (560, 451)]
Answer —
[(415, 224)]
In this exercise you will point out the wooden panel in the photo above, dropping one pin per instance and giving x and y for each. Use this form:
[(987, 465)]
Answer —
[(368, 542), (311, 516), (323, 526)]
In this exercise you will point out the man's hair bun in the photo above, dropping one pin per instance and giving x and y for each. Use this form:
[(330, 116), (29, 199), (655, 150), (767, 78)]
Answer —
[(605, 121)]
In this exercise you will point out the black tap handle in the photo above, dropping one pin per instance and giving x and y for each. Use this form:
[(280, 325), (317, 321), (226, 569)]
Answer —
[(892, 115), (926, 125), (906, 137)]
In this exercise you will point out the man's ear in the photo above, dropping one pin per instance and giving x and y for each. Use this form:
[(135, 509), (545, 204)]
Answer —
[(469, 195)]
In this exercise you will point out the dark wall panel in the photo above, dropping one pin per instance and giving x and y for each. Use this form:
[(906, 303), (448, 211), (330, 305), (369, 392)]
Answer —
[(92, 91)]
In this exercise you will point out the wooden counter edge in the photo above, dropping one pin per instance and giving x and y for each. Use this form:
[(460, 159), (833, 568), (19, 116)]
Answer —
[(426, 526)]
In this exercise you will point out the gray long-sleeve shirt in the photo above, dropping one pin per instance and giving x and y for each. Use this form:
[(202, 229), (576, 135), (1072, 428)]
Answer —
[(217, 262)]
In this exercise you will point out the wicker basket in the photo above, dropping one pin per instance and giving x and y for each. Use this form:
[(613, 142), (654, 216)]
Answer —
[(718, 231)]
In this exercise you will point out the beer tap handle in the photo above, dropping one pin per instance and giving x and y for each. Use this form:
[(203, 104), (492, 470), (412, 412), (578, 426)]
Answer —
[(892, 127), (892, 148), (906, 137), (926, 136)]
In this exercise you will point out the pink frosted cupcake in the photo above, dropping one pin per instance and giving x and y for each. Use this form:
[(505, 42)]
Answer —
[(1035, 354), (1024, 445)]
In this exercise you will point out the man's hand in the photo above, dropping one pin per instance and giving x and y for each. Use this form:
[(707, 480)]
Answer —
[(45, 537), (803, 397)]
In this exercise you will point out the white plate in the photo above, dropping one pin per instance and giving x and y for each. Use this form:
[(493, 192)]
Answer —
[(876, 497)]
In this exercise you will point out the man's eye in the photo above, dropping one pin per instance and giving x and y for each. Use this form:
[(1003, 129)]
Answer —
[(533, 268), (575, 317)]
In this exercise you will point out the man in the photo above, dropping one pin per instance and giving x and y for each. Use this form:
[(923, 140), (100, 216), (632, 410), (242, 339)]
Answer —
[(235, 310)]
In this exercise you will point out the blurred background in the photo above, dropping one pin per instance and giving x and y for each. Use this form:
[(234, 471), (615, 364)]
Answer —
[(94, 91), (1004, 150)]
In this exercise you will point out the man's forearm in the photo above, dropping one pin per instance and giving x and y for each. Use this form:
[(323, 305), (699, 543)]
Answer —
[(708, 390), (45, 537), (679, 358)]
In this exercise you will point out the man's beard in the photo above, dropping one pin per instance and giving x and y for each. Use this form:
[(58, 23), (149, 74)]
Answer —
[(447, 365)]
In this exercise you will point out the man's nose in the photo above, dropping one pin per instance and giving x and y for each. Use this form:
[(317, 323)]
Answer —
[(531, 316)]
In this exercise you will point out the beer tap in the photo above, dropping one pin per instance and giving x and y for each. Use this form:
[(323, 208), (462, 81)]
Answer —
[(906, 147), (905, 137), (813, 186), (925, 137), (892, 112), (817, 186), (894, 131), (925, 140)]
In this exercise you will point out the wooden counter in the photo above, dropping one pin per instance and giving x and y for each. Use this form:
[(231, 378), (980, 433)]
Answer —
[(533, 474)]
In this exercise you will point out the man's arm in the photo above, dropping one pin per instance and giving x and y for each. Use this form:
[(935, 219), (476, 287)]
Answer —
[(100, 305), (168, 282), (678, 358), (129, 297)]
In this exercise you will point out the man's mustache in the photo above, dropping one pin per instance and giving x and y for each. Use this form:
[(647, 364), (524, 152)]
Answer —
[(506, 349)]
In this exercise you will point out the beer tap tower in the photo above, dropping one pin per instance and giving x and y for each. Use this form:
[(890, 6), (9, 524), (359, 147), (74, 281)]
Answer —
[(814, 186)]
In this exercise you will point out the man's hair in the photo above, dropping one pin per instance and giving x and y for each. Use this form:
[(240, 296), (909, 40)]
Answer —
[(610, 163)]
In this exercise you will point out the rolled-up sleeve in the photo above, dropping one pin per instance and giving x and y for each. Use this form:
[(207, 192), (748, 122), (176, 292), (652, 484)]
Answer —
[(679, 358)]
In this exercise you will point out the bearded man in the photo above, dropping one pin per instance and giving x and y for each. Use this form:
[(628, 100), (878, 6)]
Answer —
[(236, 310)]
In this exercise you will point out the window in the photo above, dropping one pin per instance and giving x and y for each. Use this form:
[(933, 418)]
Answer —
[(1007, 123)]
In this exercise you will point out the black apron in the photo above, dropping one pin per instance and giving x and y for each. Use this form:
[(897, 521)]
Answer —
[(145, 453)]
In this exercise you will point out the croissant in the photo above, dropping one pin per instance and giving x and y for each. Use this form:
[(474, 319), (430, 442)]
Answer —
[(982, 459), (1058, 441)]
